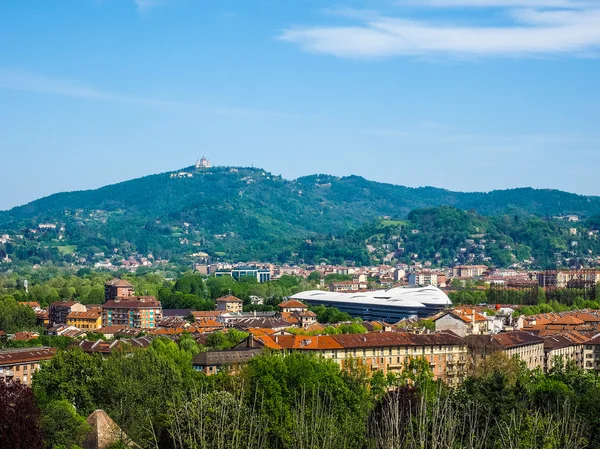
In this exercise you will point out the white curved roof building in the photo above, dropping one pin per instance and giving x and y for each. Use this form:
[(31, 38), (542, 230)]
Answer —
[(391, 305)]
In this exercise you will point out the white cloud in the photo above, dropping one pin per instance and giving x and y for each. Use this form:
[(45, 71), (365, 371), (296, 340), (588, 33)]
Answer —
[(14, 79), (145, 6), (530, 32), (498, 3)]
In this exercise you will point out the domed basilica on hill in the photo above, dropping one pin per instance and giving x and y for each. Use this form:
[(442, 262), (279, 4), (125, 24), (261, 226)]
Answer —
[(202, 163)]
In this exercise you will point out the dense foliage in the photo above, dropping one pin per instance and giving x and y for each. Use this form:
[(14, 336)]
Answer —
[(301, 401), (249, 214)]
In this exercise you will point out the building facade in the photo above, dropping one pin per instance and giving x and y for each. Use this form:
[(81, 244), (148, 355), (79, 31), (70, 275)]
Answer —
[(385, 351), (18, 365), (59, 310), (118, 288), (230, 304), (88, 320), (138, 312)]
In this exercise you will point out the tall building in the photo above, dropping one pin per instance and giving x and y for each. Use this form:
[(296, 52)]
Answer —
[(118, 288), (139, 312), (59, 310)]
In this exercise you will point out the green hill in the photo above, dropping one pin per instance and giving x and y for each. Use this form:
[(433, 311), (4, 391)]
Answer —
[(244, 213)]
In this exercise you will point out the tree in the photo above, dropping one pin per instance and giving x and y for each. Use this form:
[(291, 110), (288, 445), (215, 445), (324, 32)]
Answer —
[(62, 425), (72, 375), (19, 418)]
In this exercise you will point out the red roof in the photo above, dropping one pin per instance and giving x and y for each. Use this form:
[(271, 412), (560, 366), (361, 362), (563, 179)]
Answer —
[(13, 356), (293, 304), (229, 298)]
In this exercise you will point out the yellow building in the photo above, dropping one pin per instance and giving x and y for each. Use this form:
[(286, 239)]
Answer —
[(89, 320)]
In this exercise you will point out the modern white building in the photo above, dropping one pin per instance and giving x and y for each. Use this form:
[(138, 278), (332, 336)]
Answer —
[(387, 305)]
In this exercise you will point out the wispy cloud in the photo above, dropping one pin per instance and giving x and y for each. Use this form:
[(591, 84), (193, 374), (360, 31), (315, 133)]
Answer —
[(15, 79), (498, 3), (567, 28), (145, 6)]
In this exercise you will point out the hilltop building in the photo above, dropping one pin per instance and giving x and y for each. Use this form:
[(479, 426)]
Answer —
[(203, 163)]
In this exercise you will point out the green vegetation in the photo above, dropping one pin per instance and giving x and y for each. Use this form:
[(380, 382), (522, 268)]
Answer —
[(298, 400), (250, 214)]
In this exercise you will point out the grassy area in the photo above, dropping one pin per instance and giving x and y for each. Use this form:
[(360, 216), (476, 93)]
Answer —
[(393, 222), (220, 253), (67, 249)]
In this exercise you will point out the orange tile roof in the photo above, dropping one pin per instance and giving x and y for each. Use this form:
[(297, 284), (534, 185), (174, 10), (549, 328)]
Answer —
[(229, 298), (568, 319), (293, 303)]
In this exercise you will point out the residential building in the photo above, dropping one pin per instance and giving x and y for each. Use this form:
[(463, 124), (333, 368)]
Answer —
[(211, 362), (469, 271), (386, 351), (229, 304), (462, 322), (524, 345), (307, 318), (292, 305), (118, 288), (59, 310), (137, 312), (561, 348), (20, 364), (88, 320), (423, 278), (344, 286)]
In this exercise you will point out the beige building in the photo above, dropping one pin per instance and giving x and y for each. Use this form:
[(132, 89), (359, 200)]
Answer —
[(18, 365), (462, 323), (88, 320), (561, 348), (525, 346), (59, 310), (423, 278), (468, 271), (385, 351), (230, 304), (292, 305)]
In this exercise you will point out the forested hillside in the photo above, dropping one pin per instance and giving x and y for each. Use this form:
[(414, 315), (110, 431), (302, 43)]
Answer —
[(248, 213)]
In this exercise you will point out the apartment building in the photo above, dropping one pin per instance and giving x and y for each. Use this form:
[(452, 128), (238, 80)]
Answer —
[(462, 322), (526, 346), (138, 312), (118, 288), (563, 348), (469, 271), (344, 286), (18, 365), (230, 304), (292, 305), (423, 278), (385, 351), (88, 320), (59, 310)]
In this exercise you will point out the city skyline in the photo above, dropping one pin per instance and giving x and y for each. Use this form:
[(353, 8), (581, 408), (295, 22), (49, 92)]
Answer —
[(467, 95)]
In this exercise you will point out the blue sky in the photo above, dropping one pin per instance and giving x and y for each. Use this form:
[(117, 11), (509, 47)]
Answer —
[(467, 95)]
